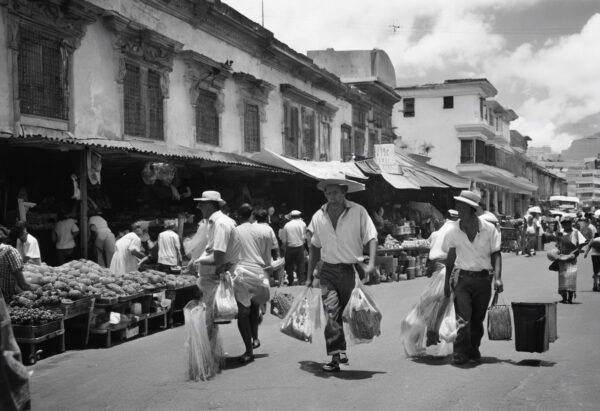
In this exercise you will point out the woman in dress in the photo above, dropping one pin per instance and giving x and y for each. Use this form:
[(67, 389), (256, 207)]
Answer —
[(569, 245), (128, 251)]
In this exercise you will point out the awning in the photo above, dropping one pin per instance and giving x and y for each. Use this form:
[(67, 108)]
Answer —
[(50, 138), (497, 176), (399, 182), (314, 169)]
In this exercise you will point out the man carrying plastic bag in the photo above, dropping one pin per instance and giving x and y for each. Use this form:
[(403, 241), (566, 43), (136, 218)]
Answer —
[(304, 317), (362, 318), (340, 230)]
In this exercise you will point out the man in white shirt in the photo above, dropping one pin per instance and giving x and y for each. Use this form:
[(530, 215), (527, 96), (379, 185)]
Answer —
[(473, 248), (293, 239), (27, 245), (169, 248), (340, 230), (63, 235)]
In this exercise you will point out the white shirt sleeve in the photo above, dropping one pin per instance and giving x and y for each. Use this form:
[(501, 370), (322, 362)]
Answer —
[(315, 239), (221, 237), (496, 240)]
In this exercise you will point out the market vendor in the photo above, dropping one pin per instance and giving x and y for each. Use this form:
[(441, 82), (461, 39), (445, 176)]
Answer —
[(63, 236), (169, 248), (128, 249), (11, 269), (103, 240), (27, 244)]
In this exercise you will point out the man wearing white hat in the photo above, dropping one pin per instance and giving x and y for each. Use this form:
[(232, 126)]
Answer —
[(473, 247), (340, 230), (293, 240)]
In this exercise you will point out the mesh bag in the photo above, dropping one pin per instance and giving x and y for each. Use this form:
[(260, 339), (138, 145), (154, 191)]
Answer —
[(281, 304), (499, 325)]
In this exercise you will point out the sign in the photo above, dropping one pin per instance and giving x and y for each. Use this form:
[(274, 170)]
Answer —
[(385, 157)]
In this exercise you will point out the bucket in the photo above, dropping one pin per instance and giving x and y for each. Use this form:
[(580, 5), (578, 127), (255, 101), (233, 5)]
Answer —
[(410, 273), (531, 327)]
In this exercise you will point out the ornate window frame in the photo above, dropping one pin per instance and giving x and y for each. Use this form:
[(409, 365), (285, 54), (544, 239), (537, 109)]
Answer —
[(205, 74), (47, 17), (136, 44), (254, 91)]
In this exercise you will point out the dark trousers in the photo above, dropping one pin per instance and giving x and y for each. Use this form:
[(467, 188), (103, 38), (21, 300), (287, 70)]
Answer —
[(596, 268), (248, 324), (65, 255), (294, 261), (472, 295), (337, 283)]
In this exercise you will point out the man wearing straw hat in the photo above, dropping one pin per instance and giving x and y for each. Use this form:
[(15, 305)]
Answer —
[(340, 230), (473, 247)]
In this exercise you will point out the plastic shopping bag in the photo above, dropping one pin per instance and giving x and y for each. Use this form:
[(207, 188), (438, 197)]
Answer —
[(361, 317), (499, 325), (201, 362), (451, 324), (225, 306), (304, 316), (251, 285)]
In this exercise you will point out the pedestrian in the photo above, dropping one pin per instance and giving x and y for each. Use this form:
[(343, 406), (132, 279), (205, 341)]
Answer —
[(258, 245), (220, 256), (11, 269), (594, 247), (293, 242), (103, 240), (569, 245), (27, 244), (530, 236), (63, 236), (473, 248), (128, 249), (169, 248), (273, 219), (340, 230)]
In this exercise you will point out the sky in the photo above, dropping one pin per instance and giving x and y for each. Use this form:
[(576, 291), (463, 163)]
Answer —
[(543, 56)]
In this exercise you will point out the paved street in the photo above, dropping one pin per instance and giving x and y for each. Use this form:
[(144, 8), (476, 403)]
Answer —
[(149, 373)]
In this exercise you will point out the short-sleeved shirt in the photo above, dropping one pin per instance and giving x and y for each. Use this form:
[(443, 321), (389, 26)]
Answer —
[(256, 243), (293, 234), (65, 231), (436, 241), (222, 237), (10, 263), (345, 243), (476, 255), (30, 248), (169, 248), (123, 260)]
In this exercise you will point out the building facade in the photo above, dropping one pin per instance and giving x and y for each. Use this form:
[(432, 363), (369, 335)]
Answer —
[(588, 183)]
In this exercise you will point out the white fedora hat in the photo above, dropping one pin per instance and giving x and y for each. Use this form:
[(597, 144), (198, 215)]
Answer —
[(338, 178), (296, 213), (470, 198), (211, 196), (453, 213)]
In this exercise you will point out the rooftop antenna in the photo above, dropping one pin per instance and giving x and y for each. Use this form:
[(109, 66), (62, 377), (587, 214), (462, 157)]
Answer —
[(262, 6), (395, 27)]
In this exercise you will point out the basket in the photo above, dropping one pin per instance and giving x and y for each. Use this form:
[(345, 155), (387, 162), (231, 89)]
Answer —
[(499, 323), (36, 331)]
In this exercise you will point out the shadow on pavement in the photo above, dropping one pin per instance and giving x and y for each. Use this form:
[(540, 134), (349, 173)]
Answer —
[(315, 369), (232, 363), (430, 360)]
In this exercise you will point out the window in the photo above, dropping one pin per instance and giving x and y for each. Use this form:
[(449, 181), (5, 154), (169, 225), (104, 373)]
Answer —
[(372, 142), (43, 75), (490, 155), (466, 151), (378, 118), (359, 117), (324, 141), (448, 102), (143, 102), (482, 111), (346, 143), (155, 107), (479, 151), (251, 128), (207, 119), (308, 133), (359, 142), (132, 92), (409, 107)]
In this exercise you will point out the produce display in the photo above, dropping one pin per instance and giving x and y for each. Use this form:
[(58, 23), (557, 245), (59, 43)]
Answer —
[(391, 242), (32, 316), (414, 244)]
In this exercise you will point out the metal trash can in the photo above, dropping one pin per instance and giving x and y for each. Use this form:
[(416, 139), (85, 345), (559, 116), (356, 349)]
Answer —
[(532, 326)]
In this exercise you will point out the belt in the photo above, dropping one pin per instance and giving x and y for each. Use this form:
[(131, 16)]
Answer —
[(340, 265), (482, 273)]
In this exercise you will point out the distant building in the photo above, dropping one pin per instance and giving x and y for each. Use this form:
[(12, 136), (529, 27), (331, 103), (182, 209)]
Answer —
[(540, 153), (588, 182)]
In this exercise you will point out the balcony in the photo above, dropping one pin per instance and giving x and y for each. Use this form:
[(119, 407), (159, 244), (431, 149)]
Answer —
[(497, 176), (481, 130)]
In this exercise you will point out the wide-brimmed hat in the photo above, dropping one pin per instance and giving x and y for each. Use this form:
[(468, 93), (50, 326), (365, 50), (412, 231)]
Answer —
[(489, 217), (453, 213), (295, 213), (535, 209), (567, 218), (211, 196), (338, 178), (470, 198)]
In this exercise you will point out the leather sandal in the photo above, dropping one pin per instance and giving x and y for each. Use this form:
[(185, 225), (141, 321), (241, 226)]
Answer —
[(344, 359), (256, 343)]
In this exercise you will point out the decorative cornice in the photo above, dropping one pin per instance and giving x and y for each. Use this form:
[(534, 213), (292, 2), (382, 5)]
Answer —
[(253, 87), (204, 73), (138, 42), (307, 99)]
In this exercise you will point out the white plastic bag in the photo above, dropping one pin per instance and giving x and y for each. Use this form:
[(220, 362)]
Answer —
[(361, 317), (304, 316), (201, 363), (194, 246), (450, 324), (251, 284), (225, 306)]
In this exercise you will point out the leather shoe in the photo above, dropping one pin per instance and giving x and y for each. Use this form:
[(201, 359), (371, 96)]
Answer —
[(245, 358), (333, 366), (459, 359)]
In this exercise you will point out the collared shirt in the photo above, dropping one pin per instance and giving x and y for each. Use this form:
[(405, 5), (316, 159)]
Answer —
[(10, 263), (256, 242), (30, 248), (222, 237), (436, 240), (169, 249), (345, 243), (293, 234), (123, 260), (476, 255), (65, 231)]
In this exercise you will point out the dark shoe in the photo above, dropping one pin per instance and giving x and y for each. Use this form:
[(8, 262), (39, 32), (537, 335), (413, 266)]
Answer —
[(256, 343), (246, 358), (475, 357), (344, 359), (332, 366), (570, 297), (459, 359)]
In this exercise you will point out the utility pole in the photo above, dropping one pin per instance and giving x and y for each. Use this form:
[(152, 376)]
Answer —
[(262, 6)]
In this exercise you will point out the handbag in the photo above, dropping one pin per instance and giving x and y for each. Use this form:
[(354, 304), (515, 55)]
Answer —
[(499, 323), (554, 266)]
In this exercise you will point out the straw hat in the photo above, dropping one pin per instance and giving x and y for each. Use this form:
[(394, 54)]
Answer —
[(339, 178), (211, 196), (453, 213), (470, 198), (489, 217)]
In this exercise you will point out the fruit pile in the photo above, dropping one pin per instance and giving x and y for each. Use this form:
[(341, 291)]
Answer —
[(32, 316)]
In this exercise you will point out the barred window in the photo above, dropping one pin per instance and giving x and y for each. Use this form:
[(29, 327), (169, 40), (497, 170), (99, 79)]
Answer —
[(290, 130), (346, 143), (251, 128), (308, 133), (207, 119), (134, 109), (466, 151), (43, 75), (155, 107), (359, 142)]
